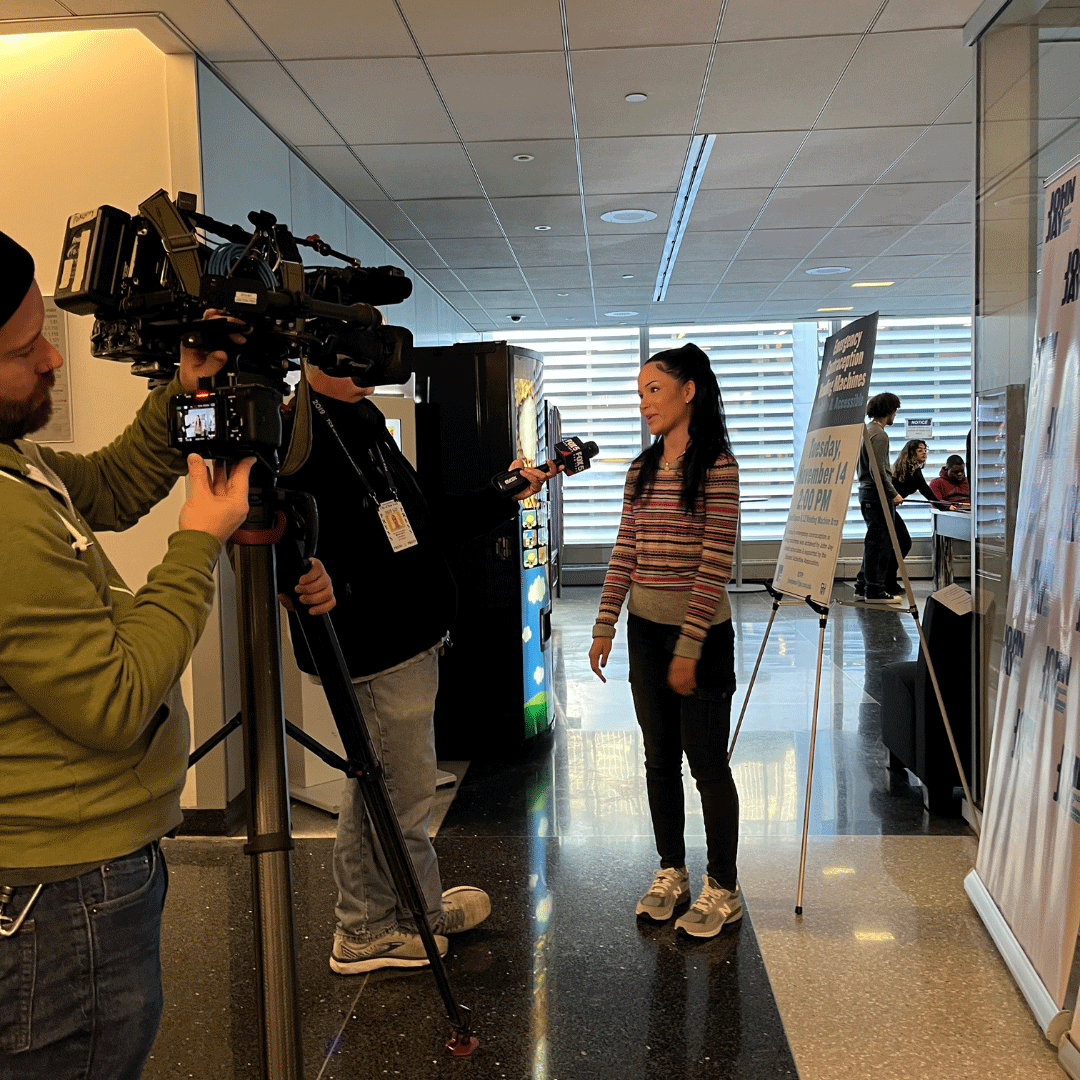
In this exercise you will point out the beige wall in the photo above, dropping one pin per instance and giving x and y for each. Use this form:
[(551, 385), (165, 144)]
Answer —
[(75, 136)]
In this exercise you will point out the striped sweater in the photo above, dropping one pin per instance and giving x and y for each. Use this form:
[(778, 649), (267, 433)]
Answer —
[(674, 564)]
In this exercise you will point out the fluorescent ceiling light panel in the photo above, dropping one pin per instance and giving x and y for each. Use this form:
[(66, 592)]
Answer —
[(836, 309), (871, 284), (693, 173)]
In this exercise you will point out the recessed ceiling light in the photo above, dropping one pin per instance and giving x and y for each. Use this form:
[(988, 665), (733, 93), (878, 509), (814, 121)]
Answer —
[(619, 314), (871, 284), (562, 294), (524, 157), (823, 271), (542, 228), (627, 217), (836, 309), (627, 277), (636, 97)]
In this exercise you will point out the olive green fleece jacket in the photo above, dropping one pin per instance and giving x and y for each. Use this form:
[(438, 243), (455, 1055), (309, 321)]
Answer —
[(93, 732)]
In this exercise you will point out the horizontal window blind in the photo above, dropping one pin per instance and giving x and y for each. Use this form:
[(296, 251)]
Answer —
[(927, 364), (753, 365)]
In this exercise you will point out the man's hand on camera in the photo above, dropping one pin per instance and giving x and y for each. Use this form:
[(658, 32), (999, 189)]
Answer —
[(315, 590), (216, 507), (196, 364), (537, 477)]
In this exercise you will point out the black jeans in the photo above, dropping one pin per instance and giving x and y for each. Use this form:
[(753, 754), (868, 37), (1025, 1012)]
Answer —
[(698, 726), (879, 569)]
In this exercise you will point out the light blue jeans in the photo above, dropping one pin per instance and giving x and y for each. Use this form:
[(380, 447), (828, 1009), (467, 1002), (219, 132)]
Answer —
[(398, 706), (80, 982)]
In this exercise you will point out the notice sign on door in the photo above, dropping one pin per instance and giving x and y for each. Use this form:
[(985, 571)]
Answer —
[(919, 427), (826, 470)]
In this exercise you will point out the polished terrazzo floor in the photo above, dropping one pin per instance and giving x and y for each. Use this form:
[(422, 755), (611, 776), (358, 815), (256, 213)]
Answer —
[(888, 970)]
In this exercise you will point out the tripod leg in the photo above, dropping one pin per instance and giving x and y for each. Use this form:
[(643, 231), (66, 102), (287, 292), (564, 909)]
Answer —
[(810, 764), (761, 653), (269, 826)]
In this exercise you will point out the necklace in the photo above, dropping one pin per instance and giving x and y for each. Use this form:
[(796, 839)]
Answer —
[(667, 464)]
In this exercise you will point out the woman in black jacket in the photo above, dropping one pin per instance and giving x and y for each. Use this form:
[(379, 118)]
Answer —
[(908, 479)]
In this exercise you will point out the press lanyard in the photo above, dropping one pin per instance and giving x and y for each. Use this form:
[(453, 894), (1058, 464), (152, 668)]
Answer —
[(384, 471)]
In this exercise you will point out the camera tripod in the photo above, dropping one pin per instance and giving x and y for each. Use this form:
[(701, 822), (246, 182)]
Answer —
[(285, 524)]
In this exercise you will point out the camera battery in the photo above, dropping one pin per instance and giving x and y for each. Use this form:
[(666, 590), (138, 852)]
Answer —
[(97, 245)]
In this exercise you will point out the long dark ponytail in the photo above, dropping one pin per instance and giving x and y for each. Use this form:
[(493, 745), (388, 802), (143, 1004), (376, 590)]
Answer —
[(708, 431)]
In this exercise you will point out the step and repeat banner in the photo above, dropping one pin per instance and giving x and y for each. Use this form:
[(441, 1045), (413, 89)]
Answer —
[(1029, 860), (815, 523)]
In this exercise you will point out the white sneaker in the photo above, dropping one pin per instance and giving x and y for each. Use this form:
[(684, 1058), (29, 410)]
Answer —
[(669, 888), (711, 911)]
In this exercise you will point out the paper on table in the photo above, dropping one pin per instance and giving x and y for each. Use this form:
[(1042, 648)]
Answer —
[(956, 598)]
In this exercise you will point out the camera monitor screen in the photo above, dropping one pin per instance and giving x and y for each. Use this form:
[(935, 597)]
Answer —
[(198, 421)]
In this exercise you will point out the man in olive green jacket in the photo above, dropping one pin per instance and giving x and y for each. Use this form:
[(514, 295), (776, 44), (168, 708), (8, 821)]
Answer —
[(93, 733)]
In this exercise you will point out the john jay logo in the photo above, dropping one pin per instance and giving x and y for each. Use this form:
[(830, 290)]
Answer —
[(1057, 666), (1042, 583), (1014, 649), (1058, 217)]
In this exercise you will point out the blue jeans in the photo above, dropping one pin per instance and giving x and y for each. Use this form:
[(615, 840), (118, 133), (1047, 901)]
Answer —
[(80, 982), (698, 726), (399, 708)]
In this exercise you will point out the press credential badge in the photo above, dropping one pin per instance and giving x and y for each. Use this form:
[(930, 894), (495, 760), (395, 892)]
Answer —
[(396, 523)]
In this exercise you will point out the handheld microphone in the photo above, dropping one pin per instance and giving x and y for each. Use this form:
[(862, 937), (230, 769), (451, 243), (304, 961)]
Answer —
[(572, 454)]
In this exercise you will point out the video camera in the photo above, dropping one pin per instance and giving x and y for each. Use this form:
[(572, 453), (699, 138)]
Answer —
[(148, 279)]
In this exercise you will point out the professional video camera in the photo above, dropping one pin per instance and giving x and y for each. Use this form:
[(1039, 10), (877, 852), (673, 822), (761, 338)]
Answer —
[(148, 280)]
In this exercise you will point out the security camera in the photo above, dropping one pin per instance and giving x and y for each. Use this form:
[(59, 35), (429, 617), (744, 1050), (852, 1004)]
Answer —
[(515, 318)]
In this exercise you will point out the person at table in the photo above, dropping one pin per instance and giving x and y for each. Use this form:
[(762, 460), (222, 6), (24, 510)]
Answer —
[(950, 486), (908, 479)]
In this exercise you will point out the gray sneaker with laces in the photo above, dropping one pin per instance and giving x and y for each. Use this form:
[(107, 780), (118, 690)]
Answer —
[(395, 947), (462, 908), (670, 887), (711, 911)]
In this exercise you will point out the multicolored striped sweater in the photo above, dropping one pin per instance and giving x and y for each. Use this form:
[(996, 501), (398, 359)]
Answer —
[(674, 564)]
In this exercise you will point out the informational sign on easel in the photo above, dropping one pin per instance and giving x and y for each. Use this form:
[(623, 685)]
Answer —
[(819, 503)]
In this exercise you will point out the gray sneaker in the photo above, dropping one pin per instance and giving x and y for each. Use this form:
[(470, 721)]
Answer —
[(462, 909), (670, 887), (711, 911), (392, 948)]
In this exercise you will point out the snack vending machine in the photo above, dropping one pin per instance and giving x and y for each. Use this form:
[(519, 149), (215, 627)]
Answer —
[(481, 405)]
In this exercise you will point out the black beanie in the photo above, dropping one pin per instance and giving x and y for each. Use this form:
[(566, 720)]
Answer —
[(16, 276)]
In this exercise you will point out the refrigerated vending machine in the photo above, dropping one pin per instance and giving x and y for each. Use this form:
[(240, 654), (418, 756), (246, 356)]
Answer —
[(481, 405)]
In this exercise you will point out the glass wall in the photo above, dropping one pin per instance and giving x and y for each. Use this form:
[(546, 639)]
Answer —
[(1028, 128)]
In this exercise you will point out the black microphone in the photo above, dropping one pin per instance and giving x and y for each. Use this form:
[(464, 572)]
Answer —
[(572, 454)]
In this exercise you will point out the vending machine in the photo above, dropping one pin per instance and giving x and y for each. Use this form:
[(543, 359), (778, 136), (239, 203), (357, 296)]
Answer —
[(480, 406)]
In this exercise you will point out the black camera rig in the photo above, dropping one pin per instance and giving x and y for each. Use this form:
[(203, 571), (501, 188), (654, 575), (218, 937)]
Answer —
[(148, 280)]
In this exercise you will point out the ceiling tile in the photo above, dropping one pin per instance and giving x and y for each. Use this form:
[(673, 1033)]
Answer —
[(496, 299), (962, 110), (392, 222), (377, 100), (659, 202), (635, 296), (703, 246), (521, 95), (614, 248), (809, 207), (759, 270), (605, 24), (745, 94), (340, 169), (214, 27), (746, 20), (446, 281), (689, 294), (959, 209), (646, 163), (269, 90), (456, 253), (553, 170), (519, 217), (497, 278), (901, 204), (421, 170), (750, 158), (483, 26), (613, 273), (932, 240), (332, 30), (902, 78), (559, 278), (564, 298), (670, 76), (942, 152), (742, 292), (723, 209), (934, 286), (923, 14), (849, 155), (962, 265), (697, 273), (547, 249), (850, 242), (457, 218), (897, 267), (799, 287), (781, 243)]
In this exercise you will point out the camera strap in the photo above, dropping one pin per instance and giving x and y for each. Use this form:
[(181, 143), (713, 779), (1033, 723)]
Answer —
[(395, 521)]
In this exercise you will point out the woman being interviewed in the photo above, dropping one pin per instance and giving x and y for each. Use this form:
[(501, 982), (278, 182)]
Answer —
[(673, 555)]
